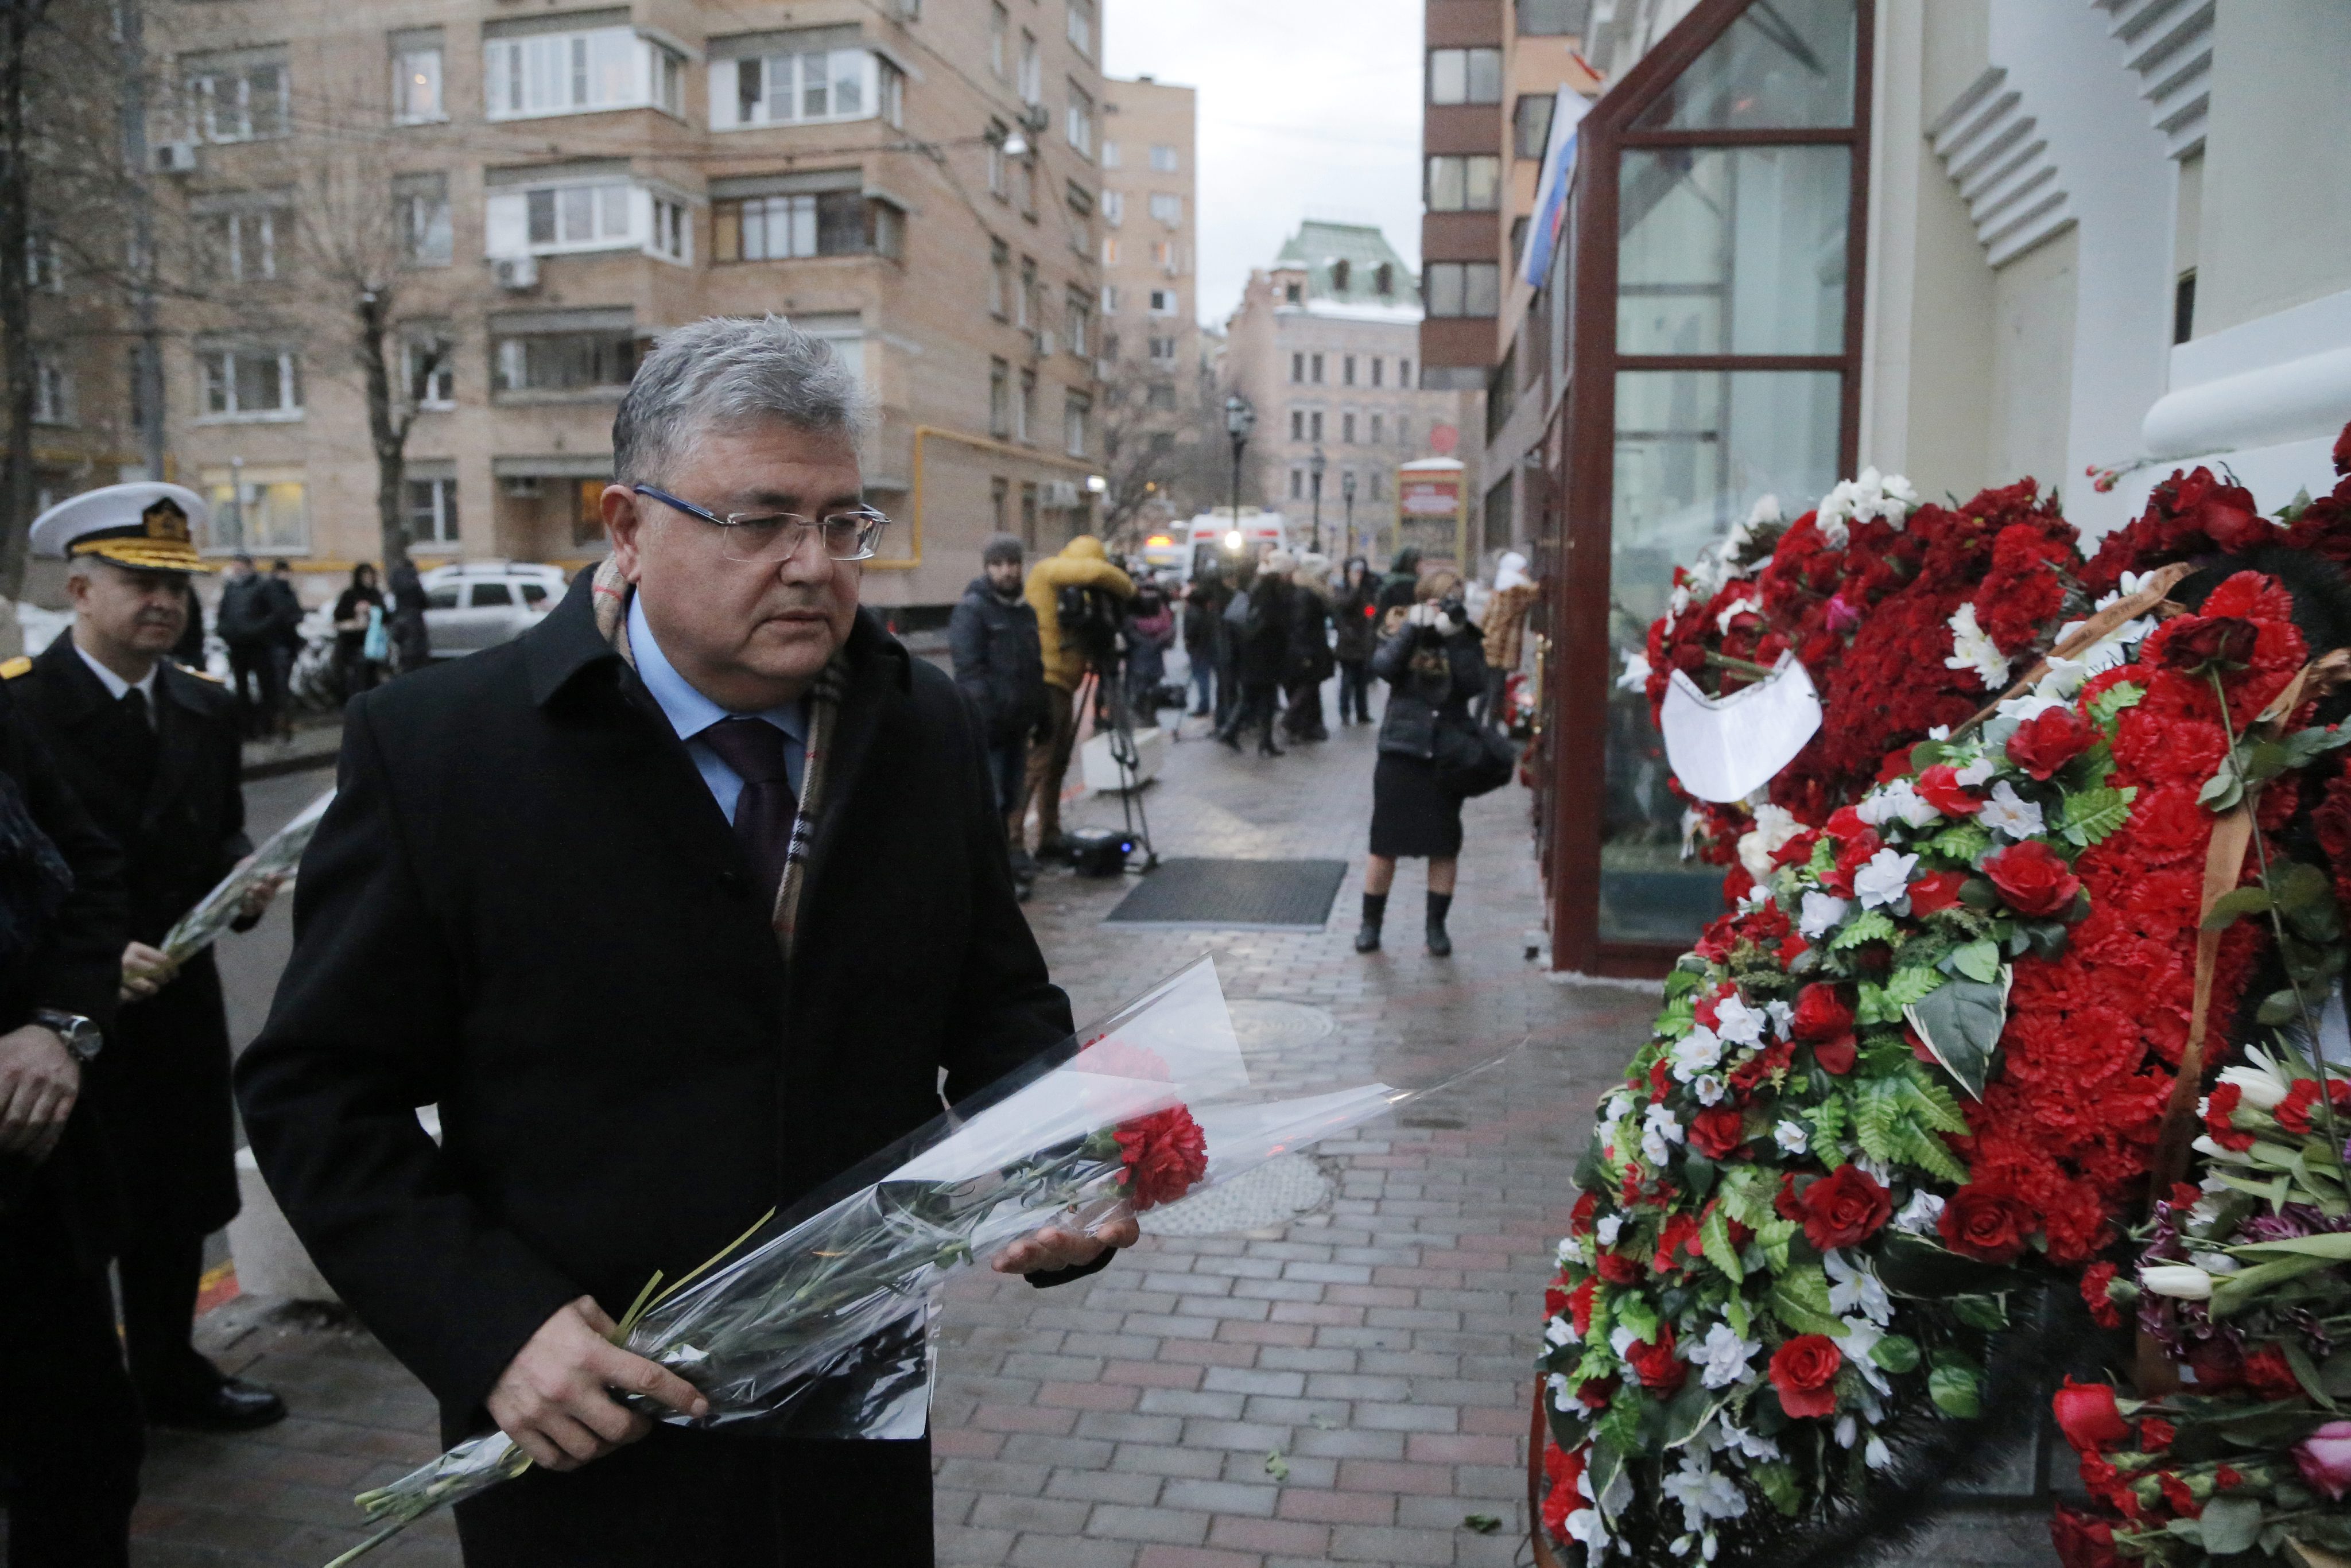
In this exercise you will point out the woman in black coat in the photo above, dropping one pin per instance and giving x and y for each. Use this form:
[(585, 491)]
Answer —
[(1355, 610), (1203, 609), (1309, 649), (1263, 657), (1434, 663)]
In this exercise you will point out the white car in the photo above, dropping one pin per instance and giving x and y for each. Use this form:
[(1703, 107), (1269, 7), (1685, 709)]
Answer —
[(475, 604)]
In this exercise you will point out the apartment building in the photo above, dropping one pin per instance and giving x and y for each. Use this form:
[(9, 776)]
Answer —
[(1326, 346), (916, 182), (1150, 217)]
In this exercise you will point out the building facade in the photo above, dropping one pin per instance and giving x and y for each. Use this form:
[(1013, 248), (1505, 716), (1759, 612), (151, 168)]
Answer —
[(1326, 346), (1150, 214), (916, 183)]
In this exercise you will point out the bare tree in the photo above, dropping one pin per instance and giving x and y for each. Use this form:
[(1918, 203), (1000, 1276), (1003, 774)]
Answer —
[(1162, 442)]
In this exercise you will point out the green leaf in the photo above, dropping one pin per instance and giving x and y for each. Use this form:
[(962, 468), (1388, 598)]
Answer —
[(2108, 705), (2223, 790), (2279, 1007), (1745, 1196), (1875, 925), (2264, 760), (1873, 1117), (1483, 1524), (1800, 1300), (1953, 1387), (1963, 841), (2333, 1245), (1896, 1353), (1909, 986), (2239, 1289), (1930, 1154), (1990, 1312), (2299, 886), (1773, 1236), (1687, 1417), (2306, 1371), (2092, 815), (1961, 1024), (2234, 904), (1979, 961), (2232, 1524), (1714, 1239), (1778, 1480), (1276, 1465), (1873, 1005), (1932, 1104)]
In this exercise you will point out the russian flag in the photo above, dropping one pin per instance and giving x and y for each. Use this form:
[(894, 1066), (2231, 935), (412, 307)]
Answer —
[(1550, 192)]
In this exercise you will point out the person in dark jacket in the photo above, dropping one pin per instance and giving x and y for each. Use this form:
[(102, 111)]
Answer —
[(245, 623), (1149, 631), (1203, 624), (1000, 665), (355, 608), (190, 649), (1400, 588), (1434, 667), (1356, 610), (411, 643), (154, 752), (768, 906), (286, 623), (1309, 649), (1262, 656)]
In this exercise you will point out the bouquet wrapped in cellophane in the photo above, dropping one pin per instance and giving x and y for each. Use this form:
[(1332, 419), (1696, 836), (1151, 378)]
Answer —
[(815, 1320), (214, 913)]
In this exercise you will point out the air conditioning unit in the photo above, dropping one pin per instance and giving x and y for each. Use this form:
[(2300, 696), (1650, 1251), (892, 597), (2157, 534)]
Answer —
[(1061, 495), (521, 488), (172, 157), (517, 273), (1037, 119)]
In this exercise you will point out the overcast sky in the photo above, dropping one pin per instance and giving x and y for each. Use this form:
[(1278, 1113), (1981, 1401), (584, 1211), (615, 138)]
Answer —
[(1308, 108)]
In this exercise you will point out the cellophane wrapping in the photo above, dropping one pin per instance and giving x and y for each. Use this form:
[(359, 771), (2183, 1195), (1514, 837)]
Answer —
[(214, 913)]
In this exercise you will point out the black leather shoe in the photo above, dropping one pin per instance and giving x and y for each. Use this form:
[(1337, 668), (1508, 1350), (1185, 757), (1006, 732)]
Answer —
[(1367, 940), (234, 1405), (1441, 946)]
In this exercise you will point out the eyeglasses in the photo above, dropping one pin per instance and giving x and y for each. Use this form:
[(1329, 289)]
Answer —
[(776, 536)]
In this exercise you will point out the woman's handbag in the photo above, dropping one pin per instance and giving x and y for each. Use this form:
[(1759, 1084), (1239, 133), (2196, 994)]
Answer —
[(1473, 760), (375, 645)]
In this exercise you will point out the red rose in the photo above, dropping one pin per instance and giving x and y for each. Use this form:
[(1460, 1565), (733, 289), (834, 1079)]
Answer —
[(1936, 892), (1618, 1269), (1853, 853), (1940, 787), (2082, 1541), (2196, 643), (2155, 1434), (1715, 1130), (1580, 1218), (2033, 878), (1986, 1222), (1595, 1393), (2271, 1375), (1821, 1013), (1835, 1056), (2103, 1310), (2047, 742), (1842, 1207), (1656, 1364), (1164, 1154), (2086, 1414), (1803, 1372)]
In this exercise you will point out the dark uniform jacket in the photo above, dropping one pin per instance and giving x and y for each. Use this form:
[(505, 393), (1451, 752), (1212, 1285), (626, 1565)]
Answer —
[(526, 906), (164, 1074), (998, 660)]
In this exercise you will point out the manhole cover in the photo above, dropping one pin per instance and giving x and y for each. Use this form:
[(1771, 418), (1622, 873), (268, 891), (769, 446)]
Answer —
[(1279, 1190), (1233, 895), (1265, 1025)]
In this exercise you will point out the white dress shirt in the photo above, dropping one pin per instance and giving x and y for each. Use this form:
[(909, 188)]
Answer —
[(116, 687), (690, 713)]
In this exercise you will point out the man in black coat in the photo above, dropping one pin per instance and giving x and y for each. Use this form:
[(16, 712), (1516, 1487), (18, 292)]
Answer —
[(678, 906), (153, 752), (1000, 662)]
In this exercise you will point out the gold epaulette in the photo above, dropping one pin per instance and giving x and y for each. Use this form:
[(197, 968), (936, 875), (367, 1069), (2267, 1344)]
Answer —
[(200, 674), (15, 667)]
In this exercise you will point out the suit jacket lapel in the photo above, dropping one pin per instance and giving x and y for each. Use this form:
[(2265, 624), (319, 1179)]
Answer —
[(179, 741), (877, 676)]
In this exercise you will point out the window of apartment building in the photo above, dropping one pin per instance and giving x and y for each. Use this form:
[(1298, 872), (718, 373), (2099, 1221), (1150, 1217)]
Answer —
[(1077, 411), (792, 224), (1379, 367), (417, 77), (1164, 302), (1384, 279), (428, 368), (1518, 246), (1379, 484), (999, 497), (1163, 350), (822, 77), (998, 185), (576, 350), (245, 236), (578, 217), (1290, 293), (1113, 202), (1024, 413), (1315, 425), (1168, 209), (1079, 315), (1297, 424), (999, 399), (1025, 176), (1298, 484), (242, 97), (1078, 125), (1160, 395), (1081, 26), (1403, 379), (1377, 421), (669, 228), (1552, 18), (1347, 371), (433, 510), (999, 26), (999, 279), (1109, 250), (44, 269), (1166, 258), (1464, 184), (1111, 157), (52, 400), (586, 517), (1342, 271), (1531, 123), (1032, 84), (1109, 349), (1163, 159), (1024, 303), (257, 514), (251, 382), (1464, 75), (420, 207), (1080, 215), (528, 71), (1347, 429), (1297, 369), (1463, 289), (1314, 368), (1028, 515)]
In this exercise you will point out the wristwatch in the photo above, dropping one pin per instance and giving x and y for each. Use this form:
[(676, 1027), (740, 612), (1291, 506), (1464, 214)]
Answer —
[(83, 1038)]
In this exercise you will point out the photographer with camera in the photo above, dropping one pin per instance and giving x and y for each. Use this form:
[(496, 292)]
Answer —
[(1431, 657), (1080, 597)]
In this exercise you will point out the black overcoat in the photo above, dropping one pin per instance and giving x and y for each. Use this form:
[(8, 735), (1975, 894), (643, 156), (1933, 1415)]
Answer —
[(526, 906), (165, 1073)]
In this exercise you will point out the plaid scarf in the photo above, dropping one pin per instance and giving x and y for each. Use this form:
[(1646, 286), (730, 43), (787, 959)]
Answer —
[(611, 600)]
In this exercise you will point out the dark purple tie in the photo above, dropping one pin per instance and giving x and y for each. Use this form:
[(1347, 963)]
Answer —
[(754, 748)]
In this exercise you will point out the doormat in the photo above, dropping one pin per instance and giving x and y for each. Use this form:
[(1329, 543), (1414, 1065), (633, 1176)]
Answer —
[(1234, 894)]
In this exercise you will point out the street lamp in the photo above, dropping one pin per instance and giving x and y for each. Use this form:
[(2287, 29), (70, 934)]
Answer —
[(1314, 466), (1239, 419), (1347, 494)]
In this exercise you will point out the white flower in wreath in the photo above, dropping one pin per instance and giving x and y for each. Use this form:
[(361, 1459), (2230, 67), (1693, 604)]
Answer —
[(1897, 802), (1709, 1089), (2262, 1083), (1621, 1340), (2026, 706), (2181, 1281), (2008, 812), (1919, 1216), (1782, 1017), (1859, 1338), (1875, 1454), (1854, 1286), (1606, 1231), (1659, 1132), (1722, 1359), (1733, 611), (1775, 826), (1557, 1384), (1584, 1525), (1737, 1023), (1696, 1052), (1823, 912), (1848, 1431), (1704, 1493), (1617, 1106), (1746, 1445), (1693, 824), (1793, 1138), (1885, 879), (1560, 1331), (1571, 1250), (1976, 774), (1679, 605), (1973, 649), (1635, 677)]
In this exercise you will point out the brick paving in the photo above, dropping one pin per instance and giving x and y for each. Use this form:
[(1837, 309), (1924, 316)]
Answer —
[(1346, 1385)]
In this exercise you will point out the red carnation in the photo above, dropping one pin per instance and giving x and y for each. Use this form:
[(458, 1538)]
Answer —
[(2270, 1374), (1936, 892), (1595, 1393), (1940, 787), (2033, 878), (1677, 1244), (2086, 1414), (1717, 1130), (1656, 1364), (1986, 1222), (2293, 1112), (1773, 1058), (1580, 1217), (1165, 1154), (2103, 1310), (1821, 1013), (2218, 1110), (1618, 1269), (1579, 1305), (2176, 1492), (1803, 1372), (2047, 741), (2196, 643), (1843, 1207)]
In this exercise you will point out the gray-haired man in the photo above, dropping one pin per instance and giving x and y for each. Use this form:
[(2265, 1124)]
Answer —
[(560, 895)]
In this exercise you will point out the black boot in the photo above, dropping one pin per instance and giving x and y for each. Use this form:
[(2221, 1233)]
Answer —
[(1441, 946), (1375, 908)]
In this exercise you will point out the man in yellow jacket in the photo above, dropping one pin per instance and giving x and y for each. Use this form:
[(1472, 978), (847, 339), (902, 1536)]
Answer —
[(1083, 563)]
